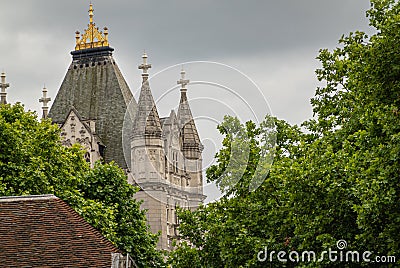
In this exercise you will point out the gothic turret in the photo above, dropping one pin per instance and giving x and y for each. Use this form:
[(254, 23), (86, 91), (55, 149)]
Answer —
[(147, 122), (148, 158), (95, 88), (190, 143), (147, 151)]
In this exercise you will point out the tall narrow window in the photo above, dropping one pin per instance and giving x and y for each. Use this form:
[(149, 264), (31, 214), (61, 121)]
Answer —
[(167, 214), (175, 161)]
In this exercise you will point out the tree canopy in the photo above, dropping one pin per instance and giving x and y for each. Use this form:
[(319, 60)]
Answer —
[(33, 161), (336, 180)]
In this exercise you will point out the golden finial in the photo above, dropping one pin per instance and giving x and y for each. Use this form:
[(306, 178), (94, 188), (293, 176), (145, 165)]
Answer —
[(91, 13), (106, 34), (91, 37), (77, 37)]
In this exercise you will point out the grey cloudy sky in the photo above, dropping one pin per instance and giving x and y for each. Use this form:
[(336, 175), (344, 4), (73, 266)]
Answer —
[(275, 43)]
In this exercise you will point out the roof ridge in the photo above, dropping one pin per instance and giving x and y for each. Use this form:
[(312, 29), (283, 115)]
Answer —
[(27, 198)]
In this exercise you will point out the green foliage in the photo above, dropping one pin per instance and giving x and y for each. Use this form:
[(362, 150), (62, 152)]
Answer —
[(339, 180), (246, 157), (234, 160), (33, 161), (31, 158), (107, 184), (231, 231)]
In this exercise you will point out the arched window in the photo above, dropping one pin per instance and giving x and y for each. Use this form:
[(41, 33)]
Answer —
[(87, 157)]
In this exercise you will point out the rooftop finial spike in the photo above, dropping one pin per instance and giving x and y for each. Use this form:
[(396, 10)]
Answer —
[(3, 86), (144, 57), (45, 101), (183, 81), (91, 13), (145, 67)]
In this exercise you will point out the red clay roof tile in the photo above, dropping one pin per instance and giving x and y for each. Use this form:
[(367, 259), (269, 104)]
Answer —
[(43, 231)]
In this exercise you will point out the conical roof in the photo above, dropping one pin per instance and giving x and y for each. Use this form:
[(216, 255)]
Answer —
[(95, 87), (146, 122), (189, 135)]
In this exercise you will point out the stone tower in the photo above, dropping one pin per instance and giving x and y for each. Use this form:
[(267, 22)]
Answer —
[(166, 160), (191, 146), (164, 154), (95, 92)]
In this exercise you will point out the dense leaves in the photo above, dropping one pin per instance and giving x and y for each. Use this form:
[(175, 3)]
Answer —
[(246, 157), (338, 180), (33, 161), (108, 184), (231, 232)]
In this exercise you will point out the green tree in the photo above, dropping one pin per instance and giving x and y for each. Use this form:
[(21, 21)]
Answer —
[(338, 181), (358, 117), (231, 231), (108, 184), (33, 161)]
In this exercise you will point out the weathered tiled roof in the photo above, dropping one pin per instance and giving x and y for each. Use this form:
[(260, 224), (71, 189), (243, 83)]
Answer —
[(95, 87), (147, 121), (190, 136), (43, 231)]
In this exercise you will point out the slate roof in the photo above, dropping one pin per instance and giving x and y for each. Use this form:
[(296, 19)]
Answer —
[(95, 87), (43, 231), (190, 136), (147, 121)]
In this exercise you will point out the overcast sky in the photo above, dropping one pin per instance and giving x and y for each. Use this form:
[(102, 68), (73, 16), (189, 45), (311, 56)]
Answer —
[(275, 43)]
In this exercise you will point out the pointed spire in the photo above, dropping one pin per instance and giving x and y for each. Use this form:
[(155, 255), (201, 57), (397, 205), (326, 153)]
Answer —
[(147, 122), (3, 86), (45, 100), (144, 67), (192, 146)]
